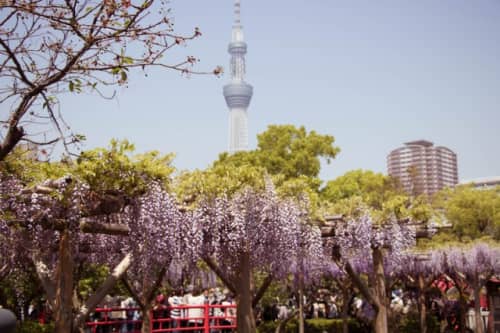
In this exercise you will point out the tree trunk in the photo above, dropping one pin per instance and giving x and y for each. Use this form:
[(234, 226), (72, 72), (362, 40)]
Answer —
[(301, 305), (345, 309), (381, 315), (477, 305), (245, 317), (146, 318), (422, 308), (63, 305), (463, 311)]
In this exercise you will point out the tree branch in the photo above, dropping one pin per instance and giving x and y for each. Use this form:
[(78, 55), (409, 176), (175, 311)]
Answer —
[(159, 278), (216, 269), (363, 288), (262, 289), (18, 67), (132, 292), (90, 305), (45, 276), (104, 228)]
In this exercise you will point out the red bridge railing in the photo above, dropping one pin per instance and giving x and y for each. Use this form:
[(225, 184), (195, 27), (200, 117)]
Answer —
[(193, 318)]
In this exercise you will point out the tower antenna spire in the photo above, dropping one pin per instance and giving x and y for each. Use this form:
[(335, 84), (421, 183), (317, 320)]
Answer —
[(237, 13)]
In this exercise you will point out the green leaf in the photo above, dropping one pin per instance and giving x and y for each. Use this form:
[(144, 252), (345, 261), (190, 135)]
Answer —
[(127, 60), (123, 75), (71, 86)]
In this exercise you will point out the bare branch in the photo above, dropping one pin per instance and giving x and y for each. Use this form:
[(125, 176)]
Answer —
[(47, 48)]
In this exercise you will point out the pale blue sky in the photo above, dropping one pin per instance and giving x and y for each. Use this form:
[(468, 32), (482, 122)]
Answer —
[(374, 74)]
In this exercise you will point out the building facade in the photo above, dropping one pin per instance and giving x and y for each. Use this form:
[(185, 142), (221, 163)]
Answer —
[(423, 168), (237, 92)]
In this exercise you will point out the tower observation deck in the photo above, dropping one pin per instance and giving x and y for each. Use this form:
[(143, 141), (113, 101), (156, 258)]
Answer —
[(237, 92)]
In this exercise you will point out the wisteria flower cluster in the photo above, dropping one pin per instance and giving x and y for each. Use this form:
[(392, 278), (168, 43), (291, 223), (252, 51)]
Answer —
[(269, 230), (357, 238), (162, 237), (480, 259)]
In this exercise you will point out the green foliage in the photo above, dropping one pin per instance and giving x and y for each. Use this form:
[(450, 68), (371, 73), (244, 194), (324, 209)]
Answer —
[(356, 191), (300, 189), (34, 327), (292, 151), (90, 278), (313, 326), (23, 163), (287, 155), (216, 181), (473, 213), (373, 188), (116, 169), (287, 151), (440, 239), (410, 323)]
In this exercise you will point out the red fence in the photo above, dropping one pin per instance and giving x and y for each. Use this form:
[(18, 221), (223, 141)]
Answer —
[(196, 318)]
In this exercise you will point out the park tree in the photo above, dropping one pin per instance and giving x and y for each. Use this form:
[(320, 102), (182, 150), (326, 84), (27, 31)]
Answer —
[(472, 213), (309, 263), (373, 188), (377, 249), (51, 47), (46, 220), (65, 222), (421, 270), (474, 266), (164, 242), (253, 232), (288, 151), (332, 270)]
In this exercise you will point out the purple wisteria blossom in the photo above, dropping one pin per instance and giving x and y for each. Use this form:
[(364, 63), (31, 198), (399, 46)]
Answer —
[(470, 266), (254, 232), (377, 250), (163, 241), (44, 226)]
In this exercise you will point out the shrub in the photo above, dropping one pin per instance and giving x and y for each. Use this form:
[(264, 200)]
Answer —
[(34, 327), (313, 326)]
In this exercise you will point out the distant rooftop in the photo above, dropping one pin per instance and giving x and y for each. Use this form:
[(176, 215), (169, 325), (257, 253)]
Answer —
[(424, 143), (484, 181)]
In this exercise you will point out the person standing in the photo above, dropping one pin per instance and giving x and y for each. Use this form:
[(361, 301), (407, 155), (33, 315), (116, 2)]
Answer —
[(196, 301), (174, 302), (229, 311)]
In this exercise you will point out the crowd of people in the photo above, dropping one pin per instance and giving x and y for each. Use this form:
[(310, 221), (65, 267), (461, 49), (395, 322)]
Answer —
[(183, 308)]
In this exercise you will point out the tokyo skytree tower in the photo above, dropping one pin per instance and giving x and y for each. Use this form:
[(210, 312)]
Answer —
[(237, 92)]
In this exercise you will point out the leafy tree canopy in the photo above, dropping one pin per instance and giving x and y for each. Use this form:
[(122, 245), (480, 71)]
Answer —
[(373, 188), (287, 150), (114, 169), (356, 190), (472, 213), (217, 180)]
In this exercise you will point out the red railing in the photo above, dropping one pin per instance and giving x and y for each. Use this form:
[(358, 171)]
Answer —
[(200, 318)]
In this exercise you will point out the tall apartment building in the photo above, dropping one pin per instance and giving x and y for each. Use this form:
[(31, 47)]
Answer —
[(423, 168)]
